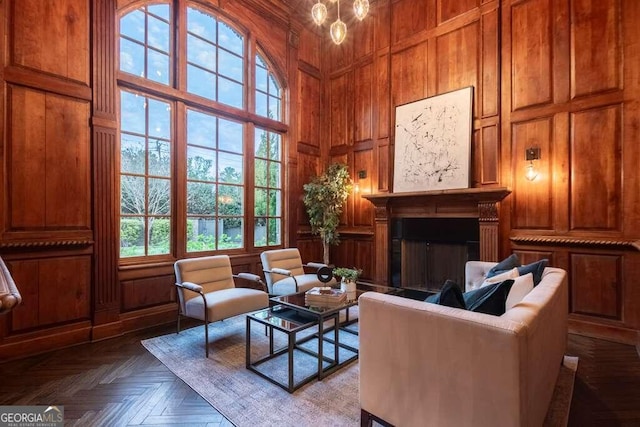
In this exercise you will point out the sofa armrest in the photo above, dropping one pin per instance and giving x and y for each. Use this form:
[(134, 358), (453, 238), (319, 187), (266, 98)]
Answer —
[(426, 364)]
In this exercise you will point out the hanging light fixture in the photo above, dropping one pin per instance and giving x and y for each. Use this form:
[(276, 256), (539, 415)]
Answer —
[(338, 30)]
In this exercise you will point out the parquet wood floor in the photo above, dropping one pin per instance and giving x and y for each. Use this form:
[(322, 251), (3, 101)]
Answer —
[(118, 383)]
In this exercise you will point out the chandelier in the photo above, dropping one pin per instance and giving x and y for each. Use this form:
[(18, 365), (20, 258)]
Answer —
[(338, 29)]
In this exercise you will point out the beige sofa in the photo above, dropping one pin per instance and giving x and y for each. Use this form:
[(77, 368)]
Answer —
[(423, 364)]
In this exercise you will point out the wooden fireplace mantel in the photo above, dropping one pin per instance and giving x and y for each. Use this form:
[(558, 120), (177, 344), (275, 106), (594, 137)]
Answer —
[(481, 203)]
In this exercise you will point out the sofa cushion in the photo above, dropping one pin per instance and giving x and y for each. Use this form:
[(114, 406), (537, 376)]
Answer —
[(450, 295), (521, 287), (510, 262), (490, 299)]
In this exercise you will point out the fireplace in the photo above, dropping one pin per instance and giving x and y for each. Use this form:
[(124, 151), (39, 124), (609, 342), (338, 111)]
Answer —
[(412, 227), (427, 251)]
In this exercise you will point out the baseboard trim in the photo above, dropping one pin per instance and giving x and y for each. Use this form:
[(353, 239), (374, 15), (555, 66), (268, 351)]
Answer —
[(613, 333), (106, 331), (45, 340), (149, 317)]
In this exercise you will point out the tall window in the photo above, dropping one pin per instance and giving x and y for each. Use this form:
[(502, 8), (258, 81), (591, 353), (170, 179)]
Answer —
[(186, 150)]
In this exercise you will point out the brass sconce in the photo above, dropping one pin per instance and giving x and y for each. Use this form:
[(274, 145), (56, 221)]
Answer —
[(531, 155), (361, 175)]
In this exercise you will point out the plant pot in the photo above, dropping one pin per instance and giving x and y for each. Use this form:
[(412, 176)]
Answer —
[(349, 286)]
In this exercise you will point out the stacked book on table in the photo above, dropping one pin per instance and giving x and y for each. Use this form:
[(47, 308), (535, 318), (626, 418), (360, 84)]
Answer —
[(325, 297)]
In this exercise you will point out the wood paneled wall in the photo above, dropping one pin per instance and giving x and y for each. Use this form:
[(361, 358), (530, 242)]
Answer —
[(561, 76)]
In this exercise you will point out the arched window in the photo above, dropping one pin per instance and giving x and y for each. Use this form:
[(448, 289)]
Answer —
[(192, 153)]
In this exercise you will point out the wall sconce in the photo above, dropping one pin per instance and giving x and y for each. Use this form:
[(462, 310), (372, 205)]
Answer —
[(532, 154)]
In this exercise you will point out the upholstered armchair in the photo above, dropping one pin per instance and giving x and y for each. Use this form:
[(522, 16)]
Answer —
[(207, 291), (285, 273), (9, 294)]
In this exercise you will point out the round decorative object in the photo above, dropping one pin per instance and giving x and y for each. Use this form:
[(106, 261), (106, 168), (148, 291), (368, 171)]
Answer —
[(325, 274)]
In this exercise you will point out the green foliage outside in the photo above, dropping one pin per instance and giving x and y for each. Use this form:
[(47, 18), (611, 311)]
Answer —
[(324, 198)]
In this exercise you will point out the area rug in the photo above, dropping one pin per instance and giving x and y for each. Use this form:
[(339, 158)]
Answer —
[(246, 399)]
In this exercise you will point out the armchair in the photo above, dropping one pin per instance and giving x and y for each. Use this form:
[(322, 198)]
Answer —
[(207, 292), (285, 274)]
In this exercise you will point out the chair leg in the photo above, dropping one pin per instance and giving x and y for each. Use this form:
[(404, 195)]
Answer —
[(178, 327), (206, 338)]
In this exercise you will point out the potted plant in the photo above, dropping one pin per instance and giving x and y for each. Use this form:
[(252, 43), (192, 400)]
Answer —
[(348, 282), (324, 198)]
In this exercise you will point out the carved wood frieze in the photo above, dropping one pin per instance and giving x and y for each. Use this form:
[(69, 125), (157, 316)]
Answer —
[(574, 241), (488, 212), (48, 243)]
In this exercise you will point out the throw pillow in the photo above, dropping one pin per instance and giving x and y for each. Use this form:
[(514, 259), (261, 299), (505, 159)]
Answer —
[(509, 274), (450, 295), (490, 299), (508, 263), (521, 287), (537, 268)]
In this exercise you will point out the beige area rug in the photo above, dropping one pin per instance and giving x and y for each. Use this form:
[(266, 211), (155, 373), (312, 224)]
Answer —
[(246, 399)]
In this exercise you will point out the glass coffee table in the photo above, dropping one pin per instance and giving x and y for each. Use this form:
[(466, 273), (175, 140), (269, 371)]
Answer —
[(290, 316)]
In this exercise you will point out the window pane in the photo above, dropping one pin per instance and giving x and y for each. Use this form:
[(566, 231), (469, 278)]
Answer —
[(261, 79), (131, 57), (261, 172), (158, 35), (201, 164), (274, 203), (274, 231), (132, 152), (231, 136), (274, 146), (274, 108), (201, 234), (132, 25), (132, 234), (158, 67), (201, 82), (159, 196), (230, 233), (229, 92), (230, 200), (201, 198), (159, 119), (231, 65), (260, 202), (229, 39), (274, 87), (132, 195), (201, 53), (274, 175), (159, 235), (260, 232), (159, 158), (132, 113), (160, 10), (261, 143), (201, 24), (230, 168), (261, 104), (201, 129)]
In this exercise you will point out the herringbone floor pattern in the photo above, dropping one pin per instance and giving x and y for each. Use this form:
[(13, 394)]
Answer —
[(118, 383)]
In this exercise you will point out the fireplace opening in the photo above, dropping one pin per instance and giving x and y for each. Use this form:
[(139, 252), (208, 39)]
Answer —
[(425, 252)]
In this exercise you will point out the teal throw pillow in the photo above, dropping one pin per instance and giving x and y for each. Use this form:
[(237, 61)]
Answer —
[(509, 263), (450, 296), (489, 299), (536, 268)]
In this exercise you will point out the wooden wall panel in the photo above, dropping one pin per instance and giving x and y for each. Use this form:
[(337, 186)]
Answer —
[(457, 64), (410, 17), (448, 9), (308, 106), (35, 23), (596, 282), (363, 97), (490, 155), (533, 206), (308, 167), (338, 118), (363, 209), (363, 257), (57, 290), (531, 52), (489, 91), (148, 292), (309, 49), (596, 178), (50, 161), (596, 49), (408, 76), (381, 85), (384, 165), (361, 33)]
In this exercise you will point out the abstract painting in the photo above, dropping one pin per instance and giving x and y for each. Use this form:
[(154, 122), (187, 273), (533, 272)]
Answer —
[(433, 143)]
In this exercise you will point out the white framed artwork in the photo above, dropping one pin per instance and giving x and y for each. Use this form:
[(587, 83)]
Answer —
[(433, 143)]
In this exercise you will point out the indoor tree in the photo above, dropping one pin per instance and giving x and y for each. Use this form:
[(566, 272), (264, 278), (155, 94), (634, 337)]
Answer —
[(324, 198)]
